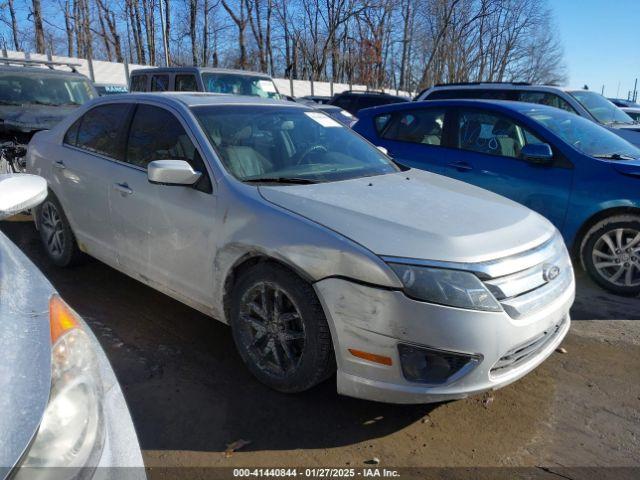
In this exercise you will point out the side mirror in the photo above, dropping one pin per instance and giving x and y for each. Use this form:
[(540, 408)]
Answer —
[(539, 153), (383, 150), (172, 172), (20, 192)]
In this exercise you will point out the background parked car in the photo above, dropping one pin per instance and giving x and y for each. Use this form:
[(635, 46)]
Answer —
[(585, 103), (321, 99), (355, 100), (34, 96), (621, 102), (60, 402), (315, 247), (582, 177), (333, 111), (633, 112), (202, 79)]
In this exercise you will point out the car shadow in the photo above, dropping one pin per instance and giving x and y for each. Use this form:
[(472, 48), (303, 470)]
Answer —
[(594, 303), (186, 386)]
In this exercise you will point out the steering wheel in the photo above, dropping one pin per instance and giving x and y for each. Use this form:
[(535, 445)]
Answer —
[(311, 149)]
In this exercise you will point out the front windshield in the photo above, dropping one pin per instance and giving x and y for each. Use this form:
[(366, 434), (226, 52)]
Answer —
[(36, 88), (237, 84), (602, 109), (279, 143), (584, 135)]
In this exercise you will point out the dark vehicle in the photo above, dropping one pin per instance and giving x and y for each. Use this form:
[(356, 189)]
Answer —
[(110, 89), (621, 102), (321, 99), (201, 79), (354, 100), (333, 111), (34, 98)]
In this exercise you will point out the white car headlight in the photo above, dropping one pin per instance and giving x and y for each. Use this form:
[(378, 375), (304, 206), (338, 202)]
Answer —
[(446, 287), (71, 433)]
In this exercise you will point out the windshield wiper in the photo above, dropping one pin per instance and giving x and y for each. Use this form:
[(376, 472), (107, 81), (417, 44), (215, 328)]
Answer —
[(290, 180), (614, 156)]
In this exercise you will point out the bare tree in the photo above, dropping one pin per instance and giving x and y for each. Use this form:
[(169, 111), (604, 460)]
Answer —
[(38, 28)]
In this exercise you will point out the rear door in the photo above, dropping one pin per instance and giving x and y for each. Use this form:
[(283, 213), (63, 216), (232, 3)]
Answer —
[(164, 234), (84, 171), (488, 155), (414, 138)]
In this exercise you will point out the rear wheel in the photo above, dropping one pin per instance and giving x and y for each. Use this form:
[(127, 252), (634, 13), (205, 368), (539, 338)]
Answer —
[(611, 254), (55, 232), (280, 330)]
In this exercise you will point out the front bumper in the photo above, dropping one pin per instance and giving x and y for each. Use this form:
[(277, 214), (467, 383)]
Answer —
[(376, 320)]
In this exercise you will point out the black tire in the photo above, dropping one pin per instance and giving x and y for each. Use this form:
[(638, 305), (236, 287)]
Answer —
[(306, 357), (58, 239), (609, 250)]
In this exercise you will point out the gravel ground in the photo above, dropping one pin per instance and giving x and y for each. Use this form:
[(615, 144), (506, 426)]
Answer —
[(190, 396)]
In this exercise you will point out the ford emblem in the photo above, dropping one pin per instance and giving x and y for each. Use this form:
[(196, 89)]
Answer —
[(549, 272)]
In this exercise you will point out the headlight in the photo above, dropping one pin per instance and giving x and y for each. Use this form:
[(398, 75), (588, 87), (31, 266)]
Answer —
[(446, 287), (72, 430)]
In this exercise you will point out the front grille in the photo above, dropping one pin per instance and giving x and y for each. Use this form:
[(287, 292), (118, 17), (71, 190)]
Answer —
[(523, 353), (525, 291)]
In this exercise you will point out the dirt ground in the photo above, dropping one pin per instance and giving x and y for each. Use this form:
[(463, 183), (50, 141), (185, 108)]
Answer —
[(190, 395)]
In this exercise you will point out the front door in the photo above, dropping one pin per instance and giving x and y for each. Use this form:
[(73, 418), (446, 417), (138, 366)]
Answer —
[(164, 234), (488, 155)]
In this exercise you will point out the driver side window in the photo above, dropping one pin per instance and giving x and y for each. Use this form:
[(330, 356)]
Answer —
[(492, 134)]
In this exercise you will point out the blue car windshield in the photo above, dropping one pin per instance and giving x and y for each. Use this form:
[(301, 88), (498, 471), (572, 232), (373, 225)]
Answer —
[(584, 135), (602, 109), (280, 143)]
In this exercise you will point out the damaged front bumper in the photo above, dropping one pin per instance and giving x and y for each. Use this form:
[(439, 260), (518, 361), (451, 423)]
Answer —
[(476, 350)]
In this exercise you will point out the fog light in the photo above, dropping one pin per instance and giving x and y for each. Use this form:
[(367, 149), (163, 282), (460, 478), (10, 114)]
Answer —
[(436, 367)]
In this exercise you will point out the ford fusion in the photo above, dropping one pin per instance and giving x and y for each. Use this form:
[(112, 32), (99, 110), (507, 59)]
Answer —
[(319, 252)]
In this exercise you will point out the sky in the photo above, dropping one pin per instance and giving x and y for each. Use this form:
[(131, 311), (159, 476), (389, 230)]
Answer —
[(601, 40)]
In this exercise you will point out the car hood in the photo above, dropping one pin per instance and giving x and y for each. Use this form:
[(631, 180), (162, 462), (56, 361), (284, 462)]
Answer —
[(416, 214), (25, 369), (31, 118)]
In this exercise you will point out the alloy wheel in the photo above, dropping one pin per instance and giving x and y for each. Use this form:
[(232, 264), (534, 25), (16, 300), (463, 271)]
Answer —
[(272, 329), (616, 257), (52, 228)]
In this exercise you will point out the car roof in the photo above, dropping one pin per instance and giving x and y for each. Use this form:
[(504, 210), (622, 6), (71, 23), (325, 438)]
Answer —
[(196, 99), (40, 70), (500, 105), (198, 69), (499, 86)]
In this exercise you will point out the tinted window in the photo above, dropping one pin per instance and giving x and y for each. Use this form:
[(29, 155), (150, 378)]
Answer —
[(545, 98), (71, 137), (186, 83), (602, 109), (416, 126), (345, 102), (235, 84), (485, 132), (138, 83), (156, 134), (100, 130), (461, 93), (160, 83)]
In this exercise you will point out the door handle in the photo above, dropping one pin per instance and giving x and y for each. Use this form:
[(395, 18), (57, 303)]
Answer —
[(461, 166), (59, 165), (123, 188)]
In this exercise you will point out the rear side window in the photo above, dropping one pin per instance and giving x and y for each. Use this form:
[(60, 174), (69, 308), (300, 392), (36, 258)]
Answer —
[(71, 137), (186, 83), (138, 83), (160, 83), (479, 93), (545, 98), (422, 126), (100, 130), (345, 102)]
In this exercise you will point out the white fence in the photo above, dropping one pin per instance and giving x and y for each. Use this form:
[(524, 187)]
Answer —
[(115, 73)]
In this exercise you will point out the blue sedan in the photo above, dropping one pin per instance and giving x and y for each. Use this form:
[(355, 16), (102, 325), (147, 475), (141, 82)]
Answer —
[(582, 177)]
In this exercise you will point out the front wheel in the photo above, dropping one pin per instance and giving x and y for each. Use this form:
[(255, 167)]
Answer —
[(611, 254), (280, 330), (55, 232)]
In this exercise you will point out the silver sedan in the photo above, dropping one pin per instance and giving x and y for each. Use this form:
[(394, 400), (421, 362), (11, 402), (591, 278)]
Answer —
[(320, 252)]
